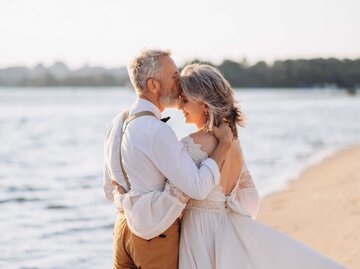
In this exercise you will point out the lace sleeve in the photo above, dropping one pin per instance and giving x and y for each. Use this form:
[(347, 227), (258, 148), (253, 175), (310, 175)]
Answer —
[(194, 150), (174, 193), (247, 193), (246, 180)]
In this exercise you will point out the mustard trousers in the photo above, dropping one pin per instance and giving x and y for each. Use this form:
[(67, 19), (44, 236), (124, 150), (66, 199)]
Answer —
[(131, 251)]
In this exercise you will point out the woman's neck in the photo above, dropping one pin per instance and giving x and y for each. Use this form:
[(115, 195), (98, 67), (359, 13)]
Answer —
[(200, 124)]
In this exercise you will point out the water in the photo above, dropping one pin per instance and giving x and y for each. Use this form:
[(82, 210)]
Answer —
[(52, 210)]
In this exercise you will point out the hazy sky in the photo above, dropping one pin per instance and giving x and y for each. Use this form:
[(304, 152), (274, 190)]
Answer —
[(110, 32)]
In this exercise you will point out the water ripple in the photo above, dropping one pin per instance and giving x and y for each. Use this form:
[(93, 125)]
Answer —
[(20, 200)]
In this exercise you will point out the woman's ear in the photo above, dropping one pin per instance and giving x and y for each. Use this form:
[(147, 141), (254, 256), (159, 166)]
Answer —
[(205, 107), (153, 85)]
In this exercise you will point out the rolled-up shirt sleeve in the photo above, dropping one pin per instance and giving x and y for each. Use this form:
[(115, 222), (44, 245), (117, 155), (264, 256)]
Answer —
[(175, 163), (107, 186), (112, 169)]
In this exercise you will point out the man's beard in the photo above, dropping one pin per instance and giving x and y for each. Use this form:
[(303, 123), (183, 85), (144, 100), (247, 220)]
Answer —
[(169, 100)]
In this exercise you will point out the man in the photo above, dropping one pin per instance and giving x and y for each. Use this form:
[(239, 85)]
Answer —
[(147, 235)]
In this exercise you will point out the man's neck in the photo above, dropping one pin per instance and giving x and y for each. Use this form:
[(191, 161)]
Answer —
[(151, 100)]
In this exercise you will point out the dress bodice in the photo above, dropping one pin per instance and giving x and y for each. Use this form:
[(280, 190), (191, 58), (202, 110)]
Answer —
[(216, 200)]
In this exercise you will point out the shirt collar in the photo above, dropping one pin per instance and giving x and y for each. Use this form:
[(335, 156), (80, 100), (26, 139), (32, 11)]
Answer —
[(145, 105)]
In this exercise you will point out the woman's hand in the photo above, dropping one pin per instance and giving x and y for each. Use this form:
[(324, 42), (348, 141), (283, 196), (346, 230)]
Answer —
[(224, 134), (118, 187)]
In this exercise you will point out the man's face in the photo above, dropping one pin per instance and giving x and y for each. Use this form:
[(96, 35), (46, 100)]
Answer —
[(170, 83)]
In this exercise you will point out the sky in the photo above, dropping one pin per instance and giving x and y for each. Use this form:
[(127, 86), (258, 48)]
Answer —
[(110, 32)]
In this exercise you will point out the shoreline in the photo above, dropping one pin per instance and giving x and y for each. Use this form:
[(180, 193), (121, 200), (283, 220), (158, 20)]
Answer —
[(313, 159), (321, 207)]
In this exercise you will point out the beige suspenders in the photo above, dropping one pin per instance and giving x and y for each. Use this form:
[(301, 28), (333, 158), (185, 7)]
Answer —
[(126, 119)]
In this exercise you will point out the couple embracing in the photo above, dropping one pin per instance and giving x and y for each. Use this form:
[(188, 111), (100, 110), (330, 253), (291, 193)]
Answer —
[(189, 203)]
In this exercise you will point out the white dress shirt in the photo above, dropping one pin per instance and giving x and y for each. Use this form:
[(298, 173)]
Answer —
[(151, 155)]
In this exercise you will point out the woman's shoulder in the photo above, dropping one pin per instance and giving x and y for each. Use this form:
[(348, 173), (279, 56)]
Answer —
[(207, 141)]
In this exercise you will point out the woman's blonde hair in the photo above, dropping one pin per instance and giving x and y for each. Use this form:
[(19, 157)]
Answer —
[(204, 83)]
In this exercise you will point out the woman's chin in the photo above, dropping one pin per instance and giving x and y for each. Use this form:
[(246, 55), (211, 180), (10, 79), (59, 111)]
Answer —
[(187, 121)]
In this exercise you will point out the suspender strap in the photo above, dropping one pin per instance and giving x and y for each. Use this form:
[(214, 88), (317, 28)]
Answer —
[(126, 120)]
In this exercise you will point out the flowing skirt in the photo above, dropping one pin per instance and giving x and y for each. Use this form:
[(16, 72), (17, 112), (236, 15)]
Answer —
[(224, 240)]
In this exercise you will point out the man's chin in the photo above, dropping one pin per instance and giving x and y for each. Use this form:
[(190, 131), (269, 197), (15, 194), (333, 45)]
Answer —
[(174, 104)]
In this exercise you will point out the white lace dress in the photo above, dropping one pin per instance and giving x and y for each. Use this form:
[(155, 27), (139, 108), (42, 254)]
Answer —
[(220, 232)]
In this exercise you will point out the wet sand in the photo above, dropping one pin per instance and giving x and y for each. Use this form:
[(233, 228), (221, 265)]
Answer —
[(322, 207)]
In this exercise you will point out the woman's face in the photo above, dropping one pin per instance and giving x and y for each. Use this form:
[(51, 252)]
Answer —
[(193, 111)]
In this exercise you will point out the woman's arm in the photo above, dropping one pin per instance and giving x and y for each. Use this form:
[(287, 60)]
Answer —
[(247, 193)]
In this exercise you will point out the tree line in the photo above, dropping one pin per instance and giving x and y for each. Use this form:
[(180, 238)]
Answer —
[(293, 73), (300, 73)]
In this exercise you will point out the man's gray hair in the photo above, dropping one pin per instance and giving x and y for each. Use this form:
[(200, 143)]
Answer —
[(144, 66)]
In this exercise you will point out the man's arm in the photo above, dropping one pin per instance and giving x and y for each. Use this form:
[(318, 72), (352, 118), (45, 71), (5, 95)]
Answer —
[(174, 162)]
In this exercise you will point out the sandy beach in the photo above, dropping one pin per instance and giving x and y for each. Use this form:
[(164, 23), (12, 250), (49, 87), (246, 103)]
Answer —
[(322, 207)]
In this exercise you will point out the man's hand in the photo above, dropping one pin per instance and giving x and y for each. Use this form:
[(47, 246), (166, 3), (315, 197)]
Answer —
[(118, 187)]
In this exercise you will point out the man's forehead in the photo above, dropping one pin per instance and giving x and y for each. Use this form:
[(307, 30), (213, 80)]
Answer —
[(169, 64)]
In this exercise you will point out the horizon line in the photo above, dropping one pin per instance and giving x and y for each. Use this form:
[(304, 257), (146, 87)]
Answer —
[(105, 66)]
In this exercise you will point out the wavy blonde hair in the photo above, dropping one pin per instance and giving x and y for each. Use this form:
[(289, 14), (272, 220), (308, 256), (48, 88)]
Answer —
[(204, 83)]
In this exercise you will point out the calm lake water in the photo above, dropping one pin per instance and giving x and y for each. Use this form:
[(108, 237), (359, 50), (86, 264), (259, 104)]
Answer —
[(52, 210)]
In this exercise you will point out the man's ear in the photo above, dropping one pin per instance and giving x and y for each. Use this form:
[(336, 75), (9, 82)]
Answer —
[(153, 85)]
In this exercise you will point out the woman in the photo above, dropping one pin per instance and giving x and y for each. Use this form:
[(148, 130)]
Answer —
[(220, 231)]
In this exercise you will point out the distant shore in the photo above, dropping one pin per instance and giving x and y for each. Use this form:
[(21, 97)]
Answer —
[(290, 73), (322, 207)]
